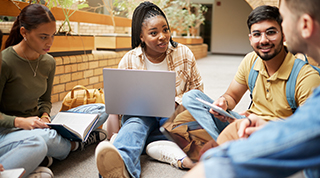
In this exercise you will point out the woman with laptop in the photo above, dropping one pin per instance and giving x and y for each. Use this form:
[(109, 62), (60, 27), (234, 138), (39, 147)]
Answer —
[(152, 49)]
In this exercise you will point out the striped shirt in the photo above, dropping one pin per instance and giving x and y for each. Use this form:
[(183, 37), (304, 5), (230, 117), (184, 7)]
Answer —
[(179, 59)]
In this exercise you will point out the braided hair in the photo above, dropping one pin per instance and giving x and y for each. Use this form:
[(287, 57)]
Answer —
[(144, 11)]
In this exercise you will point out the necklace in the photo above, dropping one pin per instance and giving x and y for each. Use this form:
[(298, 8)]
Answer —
[(156, 58), (33, 70)]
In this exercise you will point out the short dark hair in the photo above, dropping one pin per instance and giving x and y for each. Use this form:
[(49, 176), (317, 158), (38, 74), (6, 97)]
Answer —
[(262, 13), (142, 12), (299, 7), (30, 18)]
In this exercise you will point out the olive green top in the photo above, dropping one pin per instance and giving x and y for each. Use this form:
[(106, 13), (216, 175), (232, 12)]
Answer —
[(21, 93)]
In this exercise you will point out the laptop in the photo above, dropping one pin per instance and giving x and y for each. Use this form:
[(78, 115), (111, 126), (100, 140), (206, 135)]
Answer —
[(139, 92)]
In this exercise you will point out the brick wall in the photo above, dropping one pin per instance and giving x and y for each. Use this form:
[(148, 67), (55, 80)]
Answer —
[(97, 29), (86, 69), (79, 28), (83, 70)]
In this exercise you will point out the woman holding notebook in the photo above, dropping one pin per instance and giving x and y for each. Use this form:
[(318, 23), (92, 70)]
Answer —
[(152, 49), (25, 87), (26, 80)]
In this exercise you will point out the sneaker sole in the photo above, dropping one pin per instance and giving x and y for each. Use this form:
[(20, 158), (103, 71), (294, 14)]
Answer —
[(155, 143), (41, 172), (109, 161), (171, 143)]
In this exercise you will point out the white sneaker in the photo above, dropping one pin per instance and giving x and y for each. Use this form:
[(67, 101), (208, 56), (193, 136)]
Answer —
[(165, 151), (109, 161), (41, 172)]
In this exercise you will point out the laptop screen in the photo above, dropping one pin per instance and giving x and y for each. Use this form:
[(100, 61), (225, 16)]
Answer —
[(139, 92)]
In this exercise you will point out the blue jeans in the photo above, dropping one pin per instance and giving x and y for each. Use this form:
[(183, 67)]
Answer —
[(20, 150), (97, 108), (201, 114), (132, 139), (27, 148), (280, 149)]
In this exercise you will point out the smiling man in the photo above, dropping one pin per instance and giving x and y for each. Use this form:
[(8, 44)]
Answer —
[(279, 149), (273, 65)]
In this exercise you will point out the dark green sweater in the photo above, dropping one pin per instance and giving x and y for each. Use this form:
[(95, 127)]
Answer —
[(22, 94)]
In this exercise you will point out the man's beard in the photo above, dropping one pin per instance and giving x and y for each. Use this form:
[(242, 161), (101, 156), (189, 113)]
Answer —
[(268, 56)]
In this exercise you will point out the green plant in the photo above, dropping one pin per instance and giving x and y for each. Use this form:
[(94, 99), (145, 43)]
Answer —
[(184, 15), (125, 8), (68, 7), (109, 6)]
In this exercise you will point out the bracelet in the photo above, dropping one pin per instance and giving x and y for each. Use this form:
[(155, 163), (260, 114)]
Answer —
[(226, 100), (49, 119)]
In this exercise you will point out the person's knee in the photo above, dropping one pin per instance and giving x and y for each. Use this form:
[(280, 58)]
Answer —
[(190, 96), (230, 132), (137, 121), (50, 137), (39, 145)]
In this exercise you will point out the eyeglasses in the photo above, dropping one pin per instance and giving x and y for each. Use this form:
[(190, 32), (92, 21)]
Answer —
[(271, 35)]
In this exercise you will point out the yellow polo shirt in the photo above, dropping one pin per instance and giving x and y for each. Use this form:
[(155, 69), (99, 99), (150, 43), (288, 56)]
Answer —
[(269, 93)]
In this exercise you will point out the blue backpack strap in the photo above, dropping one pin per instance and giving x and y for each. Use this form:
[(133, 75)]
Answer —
[(252, 79), (314, 67), (291, 83)]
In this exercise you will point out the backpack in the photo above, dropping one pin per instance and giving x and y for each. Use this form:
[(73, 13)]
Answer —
[(290, 85), (183, 124), (80, 95)]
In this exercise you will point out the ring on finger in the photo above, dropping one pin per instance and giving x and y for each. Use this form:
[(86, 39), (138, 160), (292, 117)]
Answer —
[(250, 122)]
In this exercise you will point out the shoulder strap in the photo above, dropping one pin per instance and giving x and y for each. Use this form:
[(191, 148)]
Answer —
[(252, 79), (291, 83), (314, 67), (252, 76)]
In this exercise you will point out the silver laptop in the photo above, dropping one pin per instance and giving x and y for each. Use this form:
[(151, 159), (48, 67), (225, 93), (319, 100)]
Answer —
[(139, 92)]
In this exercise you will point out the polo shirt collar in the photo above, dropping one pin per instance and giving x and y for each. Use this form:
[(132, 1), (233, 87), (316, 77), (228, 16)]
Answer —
[(282, 73)]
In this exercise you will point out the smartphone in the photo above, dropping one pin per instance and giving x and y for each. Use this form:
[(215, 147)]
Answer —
[(216, 108)]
